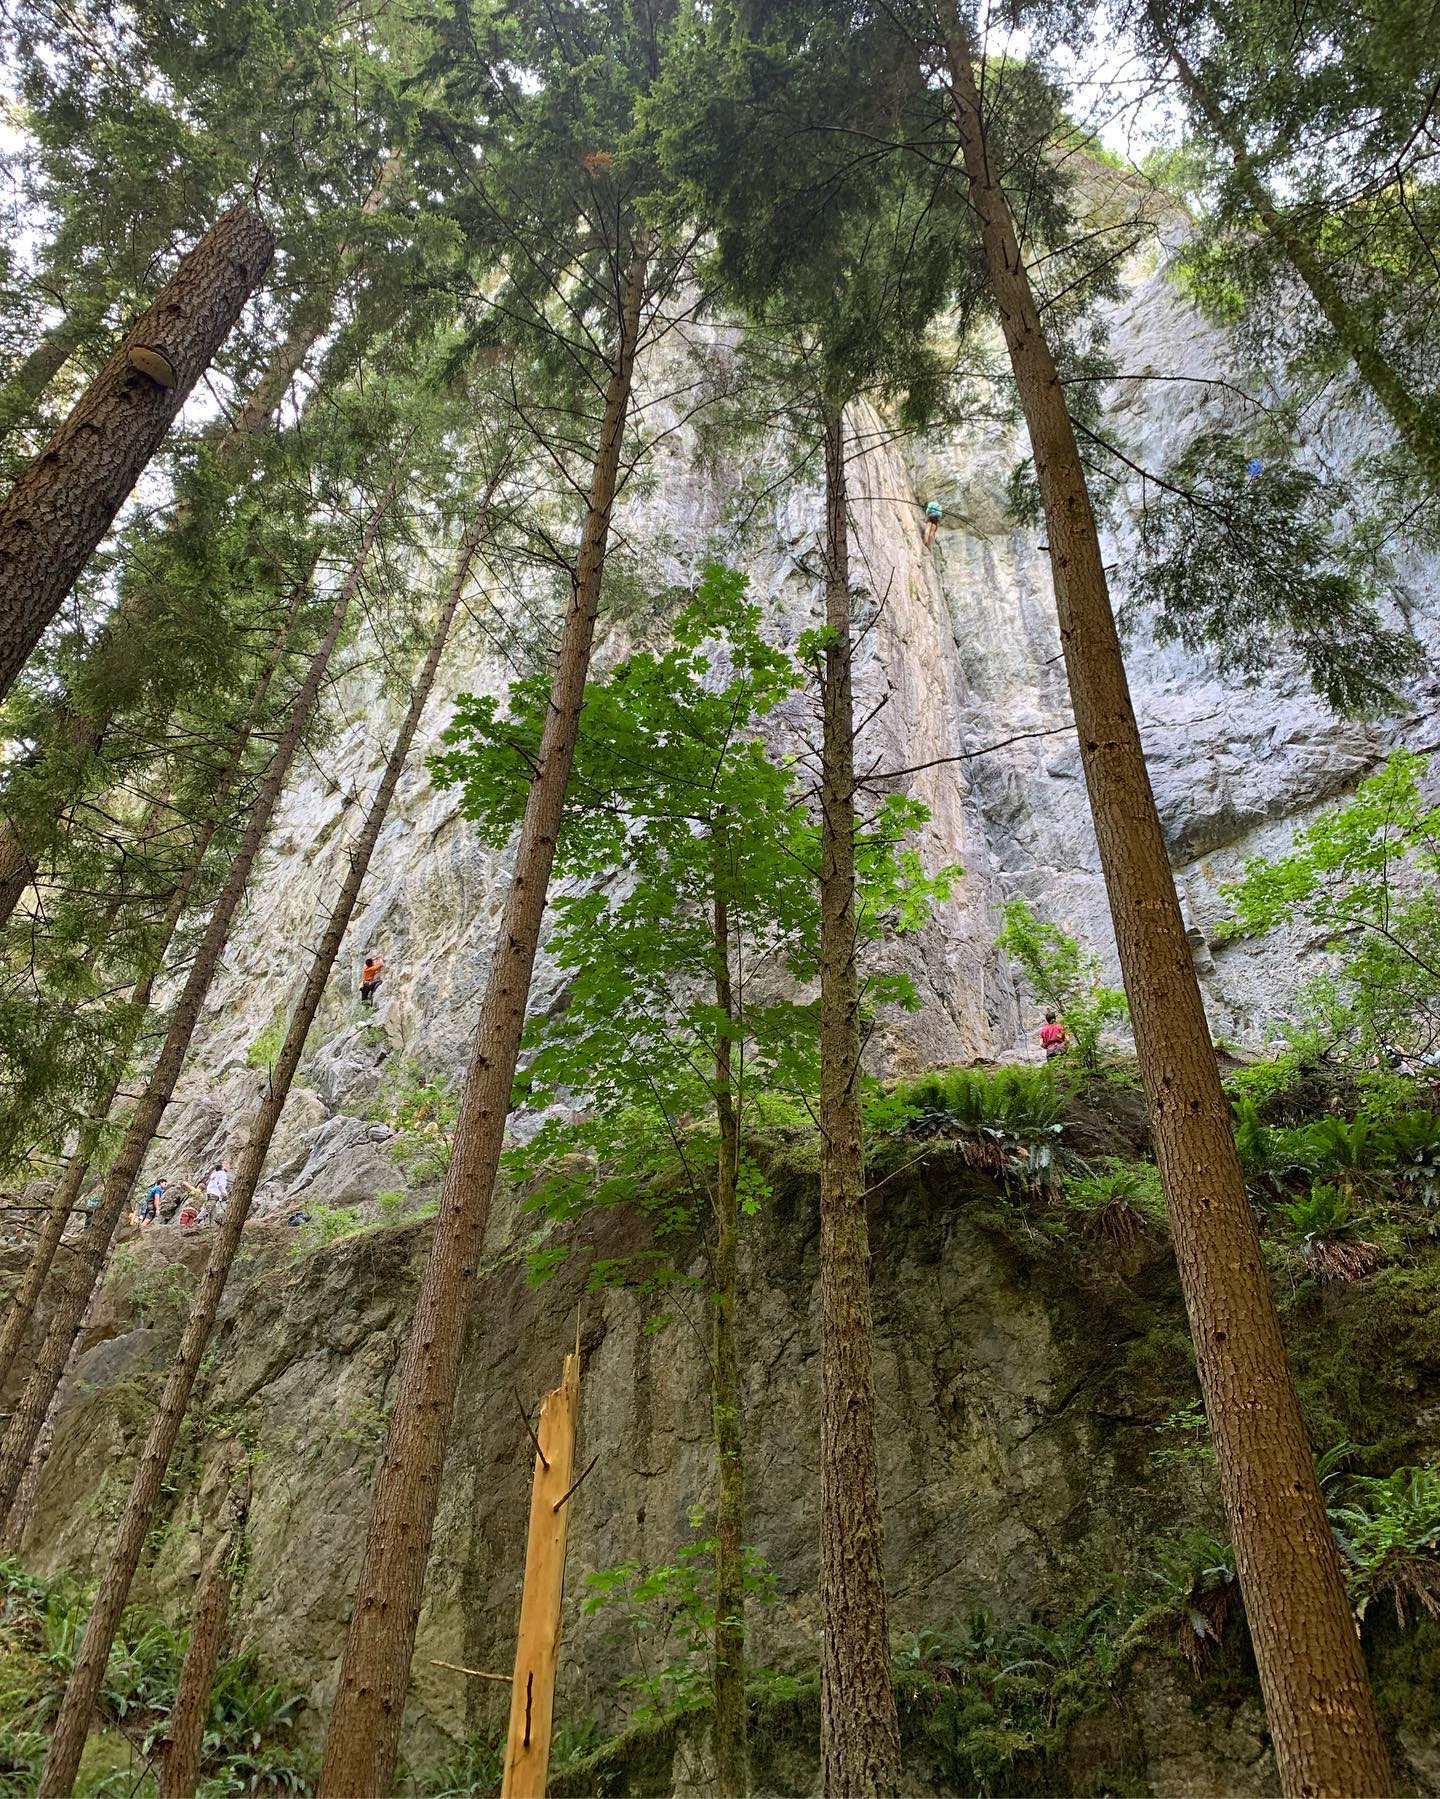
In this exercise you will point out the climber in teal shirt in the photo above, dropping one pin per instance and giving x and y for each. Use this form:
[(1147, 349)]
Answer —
[(934, 512)]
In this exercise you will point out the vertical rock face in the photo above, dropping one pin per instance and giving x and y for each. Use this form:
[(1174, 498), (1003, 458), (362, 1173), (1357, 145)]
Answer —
[(960, 680)]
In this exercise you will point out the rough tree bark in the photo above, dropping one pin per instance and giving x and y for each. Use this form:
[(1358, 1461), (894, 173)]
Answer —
[(66, 499), (67, 1744), (1317, 1697), (27, 1295), (180, 1762), (80, 733), (362, 1741), (728, 1731), (859, 1725), (1376, 370), (92, 1249)]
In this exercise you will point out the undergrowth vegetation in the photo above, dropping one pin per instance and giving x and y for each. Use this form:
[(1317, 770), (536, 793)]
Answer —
[(247, 1746)]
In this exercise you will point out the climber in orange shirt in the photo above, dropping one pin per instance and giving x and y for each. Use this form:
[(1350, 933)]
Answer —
[(370, 977)]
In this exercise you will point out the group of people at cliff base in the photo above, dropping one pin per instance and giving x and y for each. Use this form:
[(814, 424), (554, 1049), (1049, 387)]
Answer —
[(189, 1206)]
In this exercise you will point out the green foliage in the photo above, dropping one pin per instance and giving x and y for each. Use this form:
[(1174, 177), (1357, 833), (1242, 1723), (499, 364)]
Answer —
[(1063, 977), (993, 1705), (264, 1052), (473, 1772), (1016, 1097), (246, 1745), (1193, 1578), (1389, 1531), (666, 1614), (1247, 566), (1121, 1202), (1361, 877), (1323, 1212), (1186, 1435), (675, 785), (422, 1110), (326, 1225)]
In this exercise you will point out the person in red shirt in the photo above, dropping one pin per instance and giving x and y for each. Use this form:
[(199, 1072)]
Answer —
[(1052, 1037)]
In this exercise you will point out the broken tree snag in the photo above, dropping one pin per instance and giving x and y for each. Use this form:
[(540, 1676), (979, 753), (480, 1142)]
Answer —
[(532, 1697), (66, 499)]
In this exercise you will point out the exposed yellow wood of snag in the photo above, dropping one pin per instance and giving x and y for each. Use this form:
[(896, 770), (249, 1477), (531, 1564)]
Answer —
[(532, 1698)]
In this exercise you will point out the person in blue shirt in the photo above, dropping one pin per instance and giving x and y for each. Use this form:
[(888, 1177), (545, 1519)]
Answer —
[(934, 512)]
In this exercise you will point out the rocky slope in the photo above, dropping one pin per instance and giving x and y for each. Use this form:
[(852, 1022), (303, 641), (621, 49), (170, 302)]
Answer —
[(1025, 1372), (961, 655)]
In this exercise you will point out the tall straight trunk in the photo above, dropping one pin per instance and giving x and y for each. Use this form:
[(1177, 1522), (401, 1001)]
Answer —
[(27, 1296), (37, 370), (91, 1252), (859, 1724), (361, 1744), (180, 1762), (67, 1744), (17, 1522), (1357, 338), (728, 1728), (65, 501), (80, 734), (1318, 1700)]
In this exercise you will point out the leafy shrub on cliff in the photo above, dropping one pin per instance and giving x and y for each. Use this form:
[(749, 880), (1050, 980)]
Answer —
[(992, 1705), (1120, 1202), (1389, 1530)]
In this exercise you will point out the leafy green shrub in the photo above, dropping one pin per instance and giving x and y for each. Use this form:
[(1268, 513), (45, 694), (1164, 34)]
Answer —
[(1323, 1212), (422, 1110), (1005, 1120), (323, 1226), (264, 1052), (1120, 1202), (993, 1704), (1064, 977), (1347, 1149), (473, 1772), (1016, 1098), (1324, 1223), (1389, 1532), (1187, 1439), (669, 1612), (21, 1755), (1414, 1139), (1194, 1577)]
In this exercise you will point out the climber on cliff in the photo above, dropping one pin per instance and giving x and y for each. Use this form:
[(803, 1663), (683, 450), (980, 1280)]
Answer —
[(1052, 1037), (370, 974), (934, 512)]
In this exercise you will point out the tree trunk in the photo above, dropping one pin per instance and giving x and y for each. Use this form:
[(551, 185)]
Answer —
[(180, 1763), (859, 1725), (84, 732), (729, 1725), (65, 501), (361, 1744), (93, 1248), (1317, 1697), (27, 1296), (35, 373), (68, 1741), (21, 1512), (1376, 370)]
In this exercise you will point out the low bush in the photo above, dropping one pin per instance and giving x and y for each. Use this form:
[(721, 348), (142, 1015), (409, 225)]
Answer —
[(1389, 1531)]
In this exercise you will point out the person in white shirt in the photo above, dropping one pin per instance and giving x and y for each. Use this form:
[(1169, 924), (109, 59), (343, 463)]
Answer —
[(217, 1191)]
